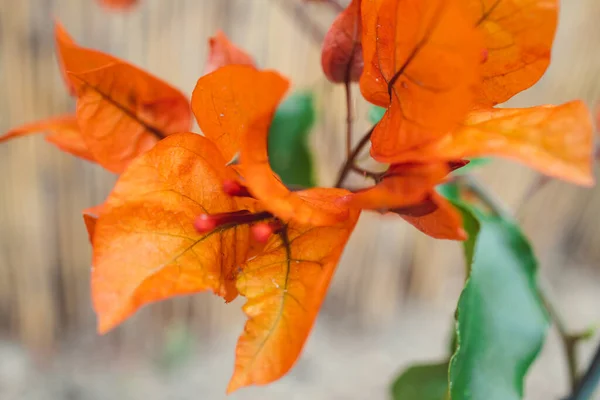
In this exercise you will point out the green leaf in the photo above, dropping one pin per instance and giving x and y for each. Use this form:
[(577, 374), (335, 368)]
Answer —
[(289, 154), (376, 113), (501, 321), (422, 382)]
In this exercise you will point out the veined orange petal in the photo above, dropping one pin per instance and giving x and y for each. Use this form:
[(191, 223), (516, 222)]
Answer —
[(435, 217), (518, 36), (145, 251), (223, 52), (285, 286), (555, 140), (62, 131), (422, 62)]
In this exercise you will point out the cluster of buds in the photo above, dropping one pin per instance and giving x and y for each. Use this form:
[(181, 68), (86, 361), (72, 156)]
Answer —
[(263, 224)]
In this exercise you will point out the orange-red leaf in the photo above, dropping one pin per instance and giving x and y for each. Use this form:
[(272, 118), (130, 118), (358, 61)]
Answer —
[(62, 131), (74, 58), (518, 36), (555, 140), (145, 246), (341, 57), (90, 217), (422, 61), (223, 52), (118, 4), (226, 101), (403, 185), (435, 217), (123, 111), (285, 286)]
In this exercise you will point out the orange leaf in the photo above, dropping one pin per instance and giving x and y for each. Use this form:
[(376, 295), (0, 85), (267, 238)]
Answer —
[(403, 185), (518, 36), (145, 246), (341, 57), (226, 101), (118, 4), (422, 61), (76, 59), (285, 286), (63, 132), (223, 52), (90, 217), (435, 217), (555, 140), (123, 111)]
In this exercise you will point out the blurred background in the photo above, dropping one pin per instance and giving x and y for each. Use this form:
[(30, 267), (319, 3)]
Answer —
[(392, 300)]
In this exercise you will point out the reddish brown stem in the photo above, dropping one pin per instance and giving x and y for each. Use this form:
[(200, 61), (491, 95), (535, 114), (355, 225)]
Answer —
[(349, 164)]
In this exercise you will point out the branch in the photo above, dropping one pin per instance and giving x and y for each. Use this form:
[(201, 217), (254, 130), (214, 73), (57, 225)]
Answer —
[(349, 164), (585, 388), (348, 87)]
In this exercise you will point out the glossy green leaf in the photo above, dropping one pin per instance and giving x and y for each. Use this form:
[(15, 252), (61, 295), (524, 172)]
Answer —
[(422, 382), (375, 114), (501, 321), (289, 153)]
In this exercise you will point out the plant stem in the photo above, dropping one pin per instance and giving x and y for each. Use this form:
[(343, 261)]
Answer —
[(349, 164), (348, 87), (484, 195), (586, 387)]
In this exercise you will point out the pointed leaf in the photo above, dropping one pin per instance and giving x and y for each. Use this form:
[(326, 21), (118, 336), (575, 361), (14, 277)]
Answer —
[(341, 57), (403, 185), (61, 131), (223, 52), (555, 140), (289, 154), (435, 217), (226, 101), (422, 382), (123, 111), (501, 322), (422, 62), (285, 286), (518, 37), (145, 246)]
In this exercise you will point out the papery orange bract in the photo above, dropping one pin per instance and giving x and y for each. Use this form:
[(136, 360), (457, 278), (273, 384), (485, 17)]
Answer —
[(422, 62), (63, 132), (555, 140), (223, 52), (285, 287), (90, 217), (435, 217), (403, 185), (341, 57), (226, 101), (123, 111), (118, 4), (518, 37), (74, 58), (145, 246)]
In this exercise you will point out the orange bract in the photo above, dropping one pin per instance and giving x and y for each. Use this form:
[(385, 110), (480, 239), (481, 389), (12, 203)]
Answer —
[(62, 131), (435, 217), (341, 57), (556, 140), (224, 111), (144, 250), (403, 185), (118, 4), (518, 37), (285, 286), (223, 52), (123, 111), (422, 62)]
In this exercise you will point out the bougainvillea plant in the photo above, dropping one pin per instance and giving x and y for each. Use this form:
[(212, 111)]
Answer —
[(235, 210)]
